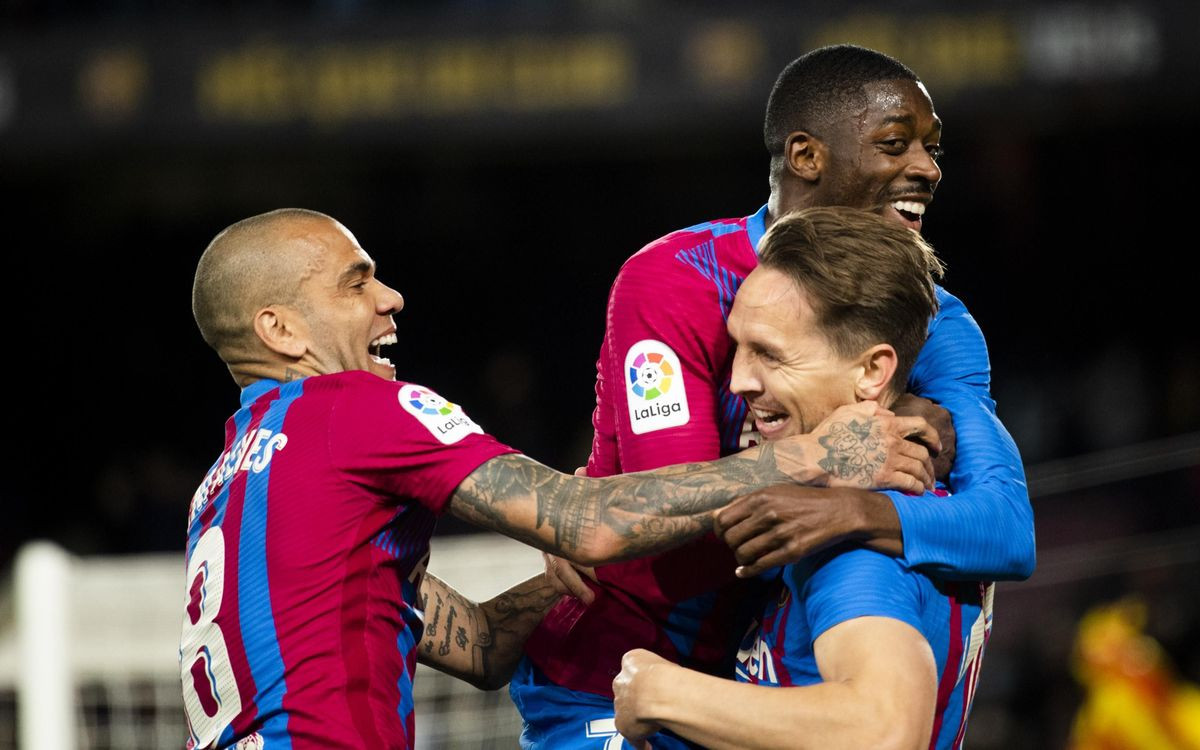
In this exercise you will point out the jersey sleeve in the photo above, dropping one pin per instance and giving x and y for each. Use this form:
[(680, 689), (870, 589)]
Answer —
[(406, 441), (664, 347), (857, 582), (985, 530)]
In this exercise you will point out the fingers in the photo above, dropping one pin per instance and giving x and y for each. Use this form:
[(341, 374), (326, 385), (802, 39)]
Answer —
[(907, 483), (566, 579), (763, 564), (918, 430), (731, 515), (915, 465), (744, 531), (776, 544)]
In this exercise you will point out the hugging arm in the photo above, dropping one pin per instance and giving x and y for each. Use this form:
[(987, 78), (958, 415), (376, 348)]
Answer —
[(985, 530)]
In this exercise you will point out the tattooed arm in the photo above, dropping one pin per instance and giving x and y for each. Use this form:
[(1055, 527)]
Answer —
[(859, 451), (593, 521), (480, 643)]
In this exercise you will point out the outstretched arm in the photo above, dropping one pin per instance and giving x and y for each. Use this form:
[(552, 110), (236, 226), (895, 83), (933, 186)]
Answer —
[(879, 689), (480, 643), (592, 521)]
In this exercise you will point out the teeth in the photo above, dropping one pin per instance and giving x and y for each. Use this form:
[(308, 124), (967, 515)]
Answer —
[(384, 340), (767, 416), (911, 207)]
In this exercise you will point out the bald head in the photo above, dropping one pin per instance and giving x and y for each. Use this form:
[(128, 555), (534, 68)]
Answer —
[(254, 263)]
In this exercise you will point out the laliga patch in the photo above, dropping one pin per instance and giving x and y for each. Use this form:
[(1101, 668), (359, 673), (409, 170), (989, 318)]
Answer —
[(446, 421), (654, 385)]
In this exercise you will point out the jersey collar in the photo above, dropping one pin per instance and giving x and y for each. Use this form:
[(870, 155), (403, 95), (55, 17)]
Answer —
[(255, 390)]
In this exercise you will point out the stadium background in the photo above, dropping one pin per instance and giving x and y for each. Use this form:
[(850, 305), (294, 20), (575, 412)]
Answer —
[(500, 160)]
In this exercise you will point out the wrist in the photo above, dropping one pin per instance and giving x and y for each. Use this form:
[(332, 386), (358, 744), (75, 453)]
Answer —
[(797, 457), (875, 521), (654, 704)]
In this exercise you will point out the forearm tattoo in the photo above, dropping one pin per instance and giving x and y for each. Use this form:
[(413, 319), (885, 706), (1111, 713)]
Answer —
[(854, 451), (462, 628), (481, 642), (643, 512), (510, 618)]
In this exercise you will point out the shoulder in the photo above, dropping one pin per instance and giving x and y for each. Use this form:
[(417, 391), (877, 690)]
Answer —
[(364, 399), (949, 305), (694, 252), (953, 323), (857, 582), (353, 386)]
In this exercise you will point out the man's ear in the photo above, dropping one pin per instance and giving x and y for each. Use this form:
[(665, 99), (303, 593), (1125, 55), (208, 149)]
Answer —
[(877, 366), (806, 155), (282, 330)]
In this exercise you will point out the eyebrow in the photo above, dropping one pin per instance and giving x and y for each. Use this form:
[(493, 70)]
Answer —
[(910, 121), (361, 268)]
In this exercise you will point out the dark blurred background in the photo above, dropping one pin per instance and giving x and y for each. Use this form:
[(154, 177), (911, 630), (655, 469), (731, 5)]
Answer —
[(501, 159)]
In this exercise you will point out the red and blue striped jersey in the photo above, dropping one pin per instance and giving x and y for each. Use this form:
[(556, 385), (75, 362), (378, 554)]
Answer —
[(662, 394), (306, 545), (821, 592), (662, 397)]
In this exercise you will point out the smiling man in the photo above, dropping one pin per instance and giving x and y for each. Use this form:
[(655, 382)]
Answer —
[(870, 652), (308, 538), (844, 126)]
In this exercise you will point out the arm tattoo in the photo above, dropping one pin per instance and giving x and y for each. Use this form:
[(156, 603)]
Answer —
[(482, 643), (853, 451), (444, 648), (642, 512)]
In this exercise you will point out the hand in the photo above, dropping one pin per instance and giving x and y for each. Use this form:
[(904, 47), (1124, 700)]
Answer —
[(864, 445), (785, 523), (909, 405), (567, 578), (630, 692)]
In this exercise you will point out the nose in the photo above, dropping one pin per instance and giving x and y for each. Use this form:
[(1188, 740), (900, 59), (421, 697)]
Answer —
[(922, 167), (744, 380), (389, 301)]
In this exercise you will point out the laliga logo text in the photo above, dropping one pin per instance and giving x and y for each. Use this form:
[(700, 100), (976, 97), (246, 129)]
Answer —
[(429, 403), (445, 420), (657, 398)]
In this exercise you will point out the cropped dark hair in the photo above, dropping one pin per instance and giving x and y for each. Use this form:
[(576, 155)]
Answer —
[(820, 87)]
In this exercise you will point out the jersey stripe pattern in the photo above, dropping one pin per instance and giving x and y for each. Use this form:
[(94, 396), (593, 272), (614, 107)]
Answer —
[(306, 545)]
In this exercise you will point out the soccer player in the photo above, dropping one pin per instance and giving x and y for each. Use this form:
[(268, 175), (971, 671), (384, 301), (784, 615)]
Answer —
[(844, 126), (870, 652), (308, 537)]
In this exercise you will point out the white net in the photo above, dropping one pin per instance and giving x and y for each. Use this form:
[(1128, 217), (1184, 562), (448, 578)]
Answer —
[(103, 634)]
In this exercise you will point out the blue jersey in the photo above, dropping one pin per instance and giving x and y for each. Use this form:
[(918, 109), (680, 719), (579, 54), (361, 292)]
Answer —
[(666, 317), (828, 589)]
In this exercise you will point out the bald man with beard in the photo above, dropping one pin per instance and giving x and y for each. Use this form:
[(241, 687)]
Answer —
[(309, 536)]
